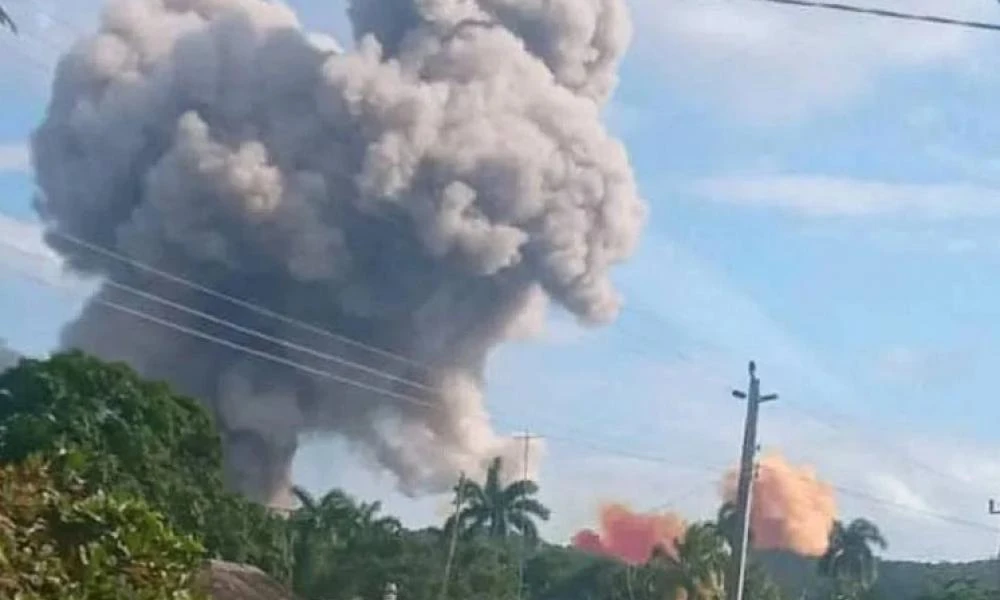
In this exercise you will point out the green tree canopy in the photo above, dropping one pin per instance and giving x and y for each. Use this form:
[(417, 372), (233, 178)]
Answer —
[(57, 540), (141, 440), (960, 589)]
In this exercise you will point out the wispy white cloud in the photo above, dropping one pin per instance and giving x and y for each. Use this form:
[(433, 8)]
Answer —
[(819, 196), (778, 63), (920, 366), (893, 490)]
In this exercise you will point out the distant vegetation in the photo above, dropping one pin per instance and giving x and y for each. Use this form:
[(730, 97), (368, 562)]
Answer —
[(111, 487)]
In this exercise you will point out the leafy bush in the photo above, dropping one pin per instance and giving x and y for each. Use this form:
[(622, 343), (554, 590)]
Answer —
[(139, 439), (59, 541)]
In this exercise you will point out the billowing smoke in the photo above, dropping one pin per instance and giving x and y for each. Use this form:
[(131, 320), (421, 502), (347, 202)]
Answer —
[(630, 536), (791, 509), (426, 194)]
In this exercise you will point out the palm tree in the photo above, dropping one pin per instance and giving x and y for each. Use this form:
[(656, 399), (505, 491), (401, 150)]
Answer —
[(367, 524), (498, 511), (850, 561), (695, 569), (316, 525)]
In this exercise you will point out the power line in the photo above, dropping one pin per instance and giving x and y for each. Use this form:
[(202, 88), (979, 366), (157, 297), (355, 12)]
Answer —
[(585, 441), (916, 510), (589, 443), (251, 306), (800, 407), (65, 23), (684, 495), (199, 334), (241, 329), (259, 353), (580, 439), (902, 453), (41, 64), (887, 14), (640, 456), (412, 400), (861, 495), (194, 332), (102, 250)]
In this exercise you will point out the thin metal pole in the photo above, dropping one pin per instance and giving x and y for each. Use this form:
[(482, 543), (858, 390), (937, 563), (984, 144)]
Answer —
[(455, 526), (520, 568), (995, 510)]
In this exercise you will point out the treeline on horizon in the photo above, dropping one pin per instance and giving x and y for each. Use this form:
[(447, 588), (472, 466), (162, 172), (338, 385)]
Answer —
[(112, 486)]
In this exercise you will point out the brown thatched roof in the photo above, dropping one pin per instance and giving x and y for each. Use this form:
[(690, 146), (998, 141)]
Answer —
[(229, 581)]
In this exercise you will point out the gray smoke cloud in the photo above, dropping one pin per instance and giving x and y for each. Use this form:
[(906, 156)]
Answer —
[(427, 193)]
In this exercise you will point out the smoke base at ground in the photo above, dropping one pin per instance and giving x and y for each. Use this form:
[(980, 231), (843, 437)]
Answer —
[(630, 536)]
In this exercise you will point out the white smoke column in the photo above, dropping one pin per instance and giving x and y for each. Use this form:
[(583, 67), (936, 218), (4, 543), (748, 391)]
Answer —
[(419, 194)]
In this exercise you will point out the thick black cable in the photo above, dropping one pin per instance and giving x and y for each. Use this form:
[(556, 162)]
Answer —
[(887, 14)]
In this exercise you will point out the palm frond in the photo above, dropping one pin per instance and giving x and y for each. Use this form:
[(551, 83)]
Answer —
[(336, 498), (532, 507), (525, 526), (305, 499), (471, 519), (867, 531), (475, 525), (471, 492), (519, 489)]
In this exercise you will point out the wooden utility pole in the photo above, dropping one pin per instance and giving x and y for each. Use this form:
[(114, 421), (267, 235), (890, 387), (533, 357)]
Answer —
[(527, 437), (995, 510), (737, 573), (455, 526)]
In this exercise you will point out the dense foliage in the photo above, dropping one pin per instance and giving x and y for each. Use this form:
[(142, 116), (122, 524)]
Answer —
[(960, 589), (59, 541), (139, 439)]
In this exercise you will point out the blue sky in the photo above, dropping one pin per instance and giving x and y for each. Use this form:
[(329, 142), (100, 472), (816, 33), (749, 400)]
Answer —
[(824, 192)]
